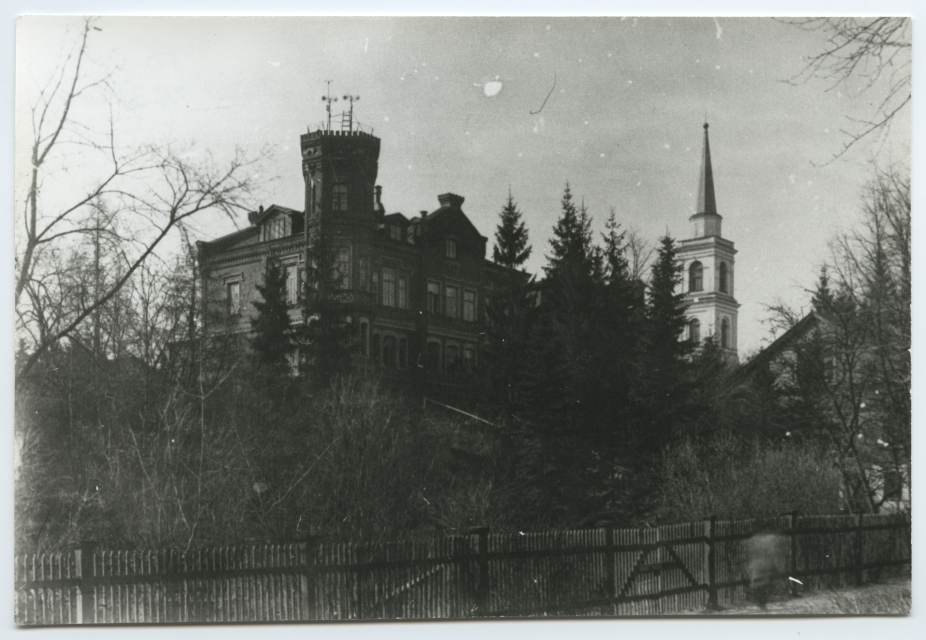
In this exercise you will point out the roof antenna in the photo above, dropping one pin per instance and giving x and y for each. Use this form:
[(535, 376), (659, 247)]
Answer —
[(328, 100)]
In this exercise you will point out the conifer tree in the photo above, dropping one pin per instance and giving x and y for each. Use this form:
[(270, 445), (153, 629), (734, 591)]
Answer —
[(509, 309), (663, 383), (512, 248), (272, 341)]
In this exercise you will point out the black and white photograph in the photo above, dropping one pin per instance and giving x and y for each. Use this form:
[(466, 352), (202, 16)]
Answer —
[(460, 318)]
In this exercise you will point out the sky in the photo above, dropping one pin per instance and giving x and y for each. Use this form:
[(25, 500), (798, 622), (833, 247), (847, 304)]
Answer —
[(478, 106)]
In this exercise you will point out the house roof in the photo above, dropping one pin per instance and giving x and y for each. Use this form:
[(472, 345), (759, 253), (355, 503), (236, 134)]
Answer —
[(785, 340)]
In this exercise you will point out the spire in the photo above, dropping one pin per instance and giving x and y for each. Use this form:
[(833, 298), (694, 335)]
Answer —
[(706, 202)]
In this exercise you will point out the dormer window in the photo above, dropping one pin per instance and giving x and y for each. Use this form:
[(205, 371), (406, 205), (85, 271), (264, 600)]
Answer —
[(452, 249), (276, 228), (339, 197), (395, 232)]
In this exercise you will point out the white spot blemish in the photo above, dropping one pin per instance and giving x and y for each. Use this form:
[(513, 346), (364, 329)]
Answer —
[(273, 64), (548, 27), (719, 30), (467, 133), (366, 43), (536, 55), (609, 55), (492, 89), (409, 167), (601, 155), (667, 146), (520, 154), (717, 67), (639, 183), (630, 82), (586, 122), (385, 118), (792, 178)]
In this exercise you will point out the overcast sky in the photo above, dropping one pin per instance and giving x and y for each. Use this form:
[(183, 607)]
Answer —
[(461, 105)]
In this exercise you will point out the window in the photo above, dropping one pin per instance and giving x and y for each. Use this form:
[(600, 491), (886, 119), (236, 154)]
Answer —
[(364, 339), (363, 265), (233, 297), (695, 277), (388, 287), (276, 228), (723, 277), (339, 197), (433, 360), (403, 353), (725, 333), (469, 305), (301, 284), (403, 293), (292, 285), (342, 269), (452, 249), (469, 358), (376, 352), (451, 357), (694, 331), (395, 232), (451, 301), (389, 351), (433, 297)]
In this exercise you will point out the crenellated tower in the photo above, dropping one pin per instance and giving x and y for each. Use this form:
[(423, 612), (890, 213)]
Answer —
[(341, 197), (708, 262)]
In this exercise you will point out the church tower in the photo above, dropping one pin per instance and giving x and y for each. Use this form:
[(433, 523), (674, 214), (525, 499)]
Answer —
[(707, 259)]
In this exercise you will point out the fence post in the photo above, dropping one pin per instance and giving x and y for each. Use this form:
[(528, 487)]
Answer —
[(309, 578), (87, 593), (859, 550), (792, 551), (609, 569), (710, 561), (482, 587)]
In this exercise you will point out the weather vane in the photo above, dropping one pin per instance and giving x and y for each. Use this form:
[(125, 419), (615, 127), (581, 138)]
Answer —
[(351, 99), (328, 100)]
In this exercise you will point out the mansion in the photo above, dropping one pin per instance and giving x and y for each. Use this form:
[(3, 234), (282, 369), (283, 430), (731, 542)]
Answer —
[(415, 289)]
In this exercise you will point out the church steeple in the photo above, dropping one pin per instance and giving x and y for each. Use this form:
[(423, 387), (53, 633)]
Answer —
[(706, 201), (706, 221), (708, 263)]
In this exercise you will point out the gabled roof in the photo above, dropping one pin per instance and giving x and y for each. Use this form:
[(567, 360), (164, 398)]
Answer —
[(781, 344)]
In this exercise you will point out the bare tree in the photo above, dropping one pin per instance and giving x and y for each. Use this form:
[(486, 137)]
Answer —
[(150, 190), (851, 375), (870, 51)]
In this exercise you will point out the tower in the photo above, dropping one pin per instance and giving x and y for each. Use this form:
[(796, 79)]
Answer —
[(341, 198), (707, 259)]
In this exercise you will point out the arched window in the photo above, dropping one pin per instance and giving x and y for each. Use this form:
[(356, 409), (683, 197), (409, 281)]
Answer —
[(433, 357), (389, 351), (339, 197), (403, 353), (694, 331), (725, 333), (376, 343), (364, 339), (723, 277), (696, 277)]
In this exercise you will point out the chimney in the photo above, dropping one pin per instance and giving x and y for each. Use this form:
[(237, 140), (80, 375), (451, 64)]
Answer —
[(378, 200), (450, 200)]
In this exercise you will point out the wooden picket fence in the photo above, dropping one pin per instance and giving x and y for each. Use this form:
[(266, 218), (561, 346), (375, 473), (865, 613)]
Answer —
[(599, 572)]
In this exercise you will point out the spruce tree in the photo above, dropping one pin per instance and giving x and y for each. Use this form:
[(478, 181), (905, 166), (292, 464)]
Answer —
[(662, 389), (509, 309), (511, 239), (272, 342)]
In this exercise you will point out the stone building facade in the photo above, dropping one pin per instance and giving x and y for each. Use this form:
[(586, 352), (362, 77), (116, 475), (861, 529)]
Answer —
[(414, 289)]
